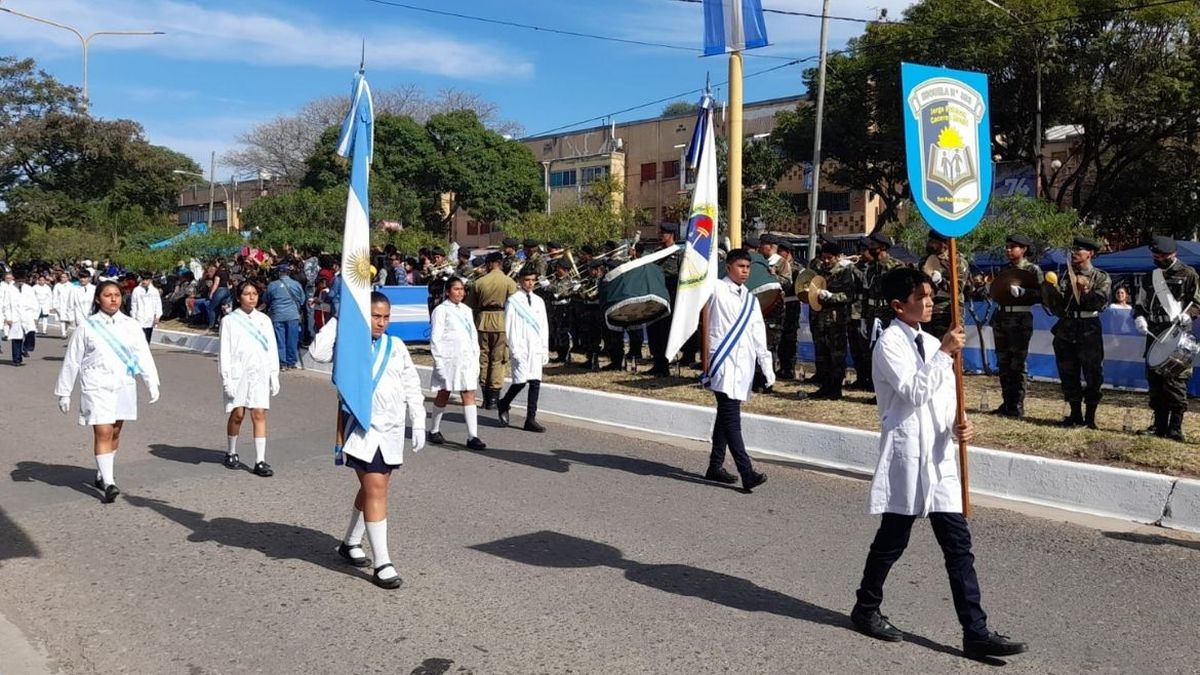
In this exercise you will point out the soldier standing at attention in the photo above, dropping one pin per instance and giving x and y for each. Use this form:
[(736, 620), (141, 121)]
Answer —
[(491, 292), (659, 330), (1170, 295), (589, 316), (829, 322), (558, 308), (1012, 327), (940, 246), (1077, 300), (533, 256), (858, 329), (511, 262), (882, 262), (791, 314), (464, 270)]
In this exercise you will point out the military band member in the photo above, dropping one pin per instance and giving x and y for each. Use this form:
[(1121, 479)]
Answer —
[(557, 295), (829, 323), (533, 256), (1012, 328), (589, 315), (1077, 300), (789, 335), (465, 270), (939, 245), (1169, 295), (858, 328), (436, 275), (658, 332), (491, 291), (511, 261), (879, 313)]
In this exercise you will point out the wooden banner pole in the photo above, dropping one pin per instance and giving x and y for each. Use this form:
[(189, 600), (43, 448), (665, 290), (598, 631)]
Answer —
[(960, 396)]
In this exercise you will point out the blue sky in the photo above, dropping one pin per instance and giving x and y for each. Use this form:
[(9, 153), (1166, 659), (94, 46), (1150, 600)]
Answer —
[(225, 65)]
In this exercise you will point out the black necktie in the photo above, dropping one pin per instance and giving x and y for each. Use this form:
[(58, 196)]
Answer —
[(920, 348), (529, 297)]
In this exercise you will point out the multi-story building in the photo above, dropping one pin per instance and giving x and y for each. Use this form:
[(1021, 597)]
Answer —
[(228, 200)]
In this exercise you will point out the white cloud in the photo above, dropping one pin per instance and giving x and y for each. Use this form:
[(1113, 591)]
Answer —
[(291, 38)]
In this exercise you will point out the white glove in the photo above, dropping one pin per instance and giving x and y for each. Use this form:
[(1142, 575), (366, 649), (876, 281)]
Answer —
[(154, 394), (1141, 325), (824, 294), (575, 286), (936, 277), (1184, 320), (64, 404), (418, 439), (845, 262), (545, 359), (544, 283), (1016, 291), (275, 385)]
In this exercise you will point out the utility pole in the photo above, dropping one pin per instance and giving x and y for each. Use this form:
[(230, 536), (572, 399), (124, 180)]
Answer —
[(212, 188), (816, 163)]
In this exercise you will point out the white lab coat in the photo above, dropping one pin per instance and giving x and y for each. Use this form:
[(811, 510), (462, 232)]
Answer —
[(917, 472), (18, 310), (81, 304), (736, 374), (63, 303), (248, 368), (454, 343), (528, 331), (45, 298), (107, 391), (398, 394), (145, 305)]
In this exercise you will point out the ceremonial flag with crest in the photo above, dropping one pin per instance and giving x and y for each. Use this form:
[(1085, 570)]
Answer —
[(352, 360), (733, 26), (698, 269)]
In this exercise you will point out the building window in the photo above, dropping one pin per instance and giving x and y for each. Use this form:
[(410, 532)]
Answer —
[(562, 178), (472, 228), (591, 174), (649, 172), (485, 228), (671, 169), (833, 201)]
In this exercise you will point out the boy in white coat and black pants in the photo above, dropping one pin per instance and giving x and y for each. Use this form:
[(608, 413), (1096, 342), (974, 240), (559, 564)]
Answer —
[(737, 341), (917, 475), (527, 329)]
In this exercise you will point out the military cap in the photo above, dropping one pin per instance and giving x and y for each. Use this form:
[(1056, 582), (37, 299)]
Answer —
[(1086, 242), (751, 242), (509, 241), (934, 235), (668, 227), (494, 257), (1019, 240), (530, 243), (1161, 244), (863, 242), (464, 252), (830, 248), (439, 251), (588, 249), (553, 246), (768, 239), (785, 245), (596, 263), (562, 264), (880, 240)]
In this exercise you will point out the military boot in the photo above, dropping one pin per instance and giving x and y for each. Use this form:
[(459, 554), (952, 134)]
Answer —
[(1175, 426), (1005, 409), (1075, 419), (1018, 405), (489, 398), (1089, 416), (1159, 428)]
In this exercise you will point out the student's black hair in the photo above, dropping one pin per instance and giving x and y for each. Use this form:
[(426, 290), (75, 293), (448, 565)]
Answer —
[(452, 281), (900, 283), (528, 271), (100, 289), (736, 255), (376, 296), (237, 291)]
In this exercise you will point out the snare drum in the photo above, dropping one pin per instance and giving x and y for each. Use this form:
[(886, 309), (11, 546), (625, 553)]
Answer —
[(1172, 353)]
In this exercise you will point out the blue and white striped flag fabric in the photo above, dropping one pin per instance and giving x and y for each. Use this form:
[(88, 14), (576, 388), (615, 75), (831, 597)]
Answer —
[(733, 26), (352, 359)]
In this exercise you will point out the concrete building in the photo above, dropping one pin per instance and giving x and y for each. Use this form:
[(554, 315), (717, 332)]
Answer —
[(228, 201)]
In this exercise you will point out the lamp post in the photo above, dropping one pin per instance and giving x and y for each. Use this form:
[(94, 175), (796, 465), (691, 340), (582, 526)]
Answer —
[(1037, 131), (84, 40), (546, 182), (212, 188)]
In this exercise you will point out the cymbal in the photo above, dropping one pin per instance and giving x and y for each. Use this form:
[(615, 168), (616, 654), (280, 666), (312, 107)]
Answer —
[(814, 291), (803, 279), (931, 264), (1001, 288)]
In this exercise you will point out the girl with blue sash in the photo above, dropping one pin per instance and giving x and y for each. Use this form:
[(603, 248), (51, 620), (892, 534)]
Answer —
[(249, 365), (454, 344), (105, 353)]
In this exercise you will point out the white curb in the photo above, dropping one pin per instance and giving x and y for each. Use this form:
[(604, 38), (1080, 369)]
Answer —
[(1139, 496)]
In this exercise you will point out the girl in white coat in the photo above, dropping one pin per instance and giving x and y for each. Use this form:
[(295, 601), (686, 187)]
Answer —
[(528, 332), (375, 452), (455, 347), (917, 476), (19, 310), (45, 298), (105, 353), (249, 365), (63, 302)]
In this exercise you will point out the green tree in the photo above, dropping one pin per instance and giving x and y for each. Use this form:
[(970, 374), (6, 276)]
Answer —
[(302, 218), (1037, 219), (675, 108)]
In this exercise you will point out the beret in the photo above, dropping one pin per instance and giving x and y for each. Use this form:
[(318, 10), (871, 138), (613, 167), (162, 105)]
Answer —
[(494, 257), (553, 245), (830, 248), (530, 243), (751, 242), (880, 240), (672, 228), (934, 235), (1161, 244), (1019, 240), (509, 241), (1086, 242)]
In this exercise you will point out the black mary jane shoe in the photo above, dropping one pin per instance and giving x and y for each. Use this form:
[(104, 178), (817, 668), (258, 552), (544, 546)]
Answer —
[(437, 438), (476, 444), (393, 582), (344, 550), (232, 461), (502, 412), (98, 484), (263, 469), (110, 494)]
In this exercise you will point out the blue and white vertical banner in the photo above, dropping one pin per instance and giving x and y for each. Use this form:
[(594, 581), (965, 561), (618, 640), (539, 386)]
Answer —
[(410, 312), (353, 357), (733, 26), (948, 145)]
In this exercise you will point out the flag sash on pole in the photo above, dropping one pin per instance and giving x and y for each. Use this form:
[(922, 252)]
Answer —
[(733, 26)]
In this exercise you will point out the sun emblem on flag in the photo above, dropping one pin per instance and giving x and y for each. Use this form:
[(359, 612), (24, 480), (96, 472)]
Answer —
[(358, 268)]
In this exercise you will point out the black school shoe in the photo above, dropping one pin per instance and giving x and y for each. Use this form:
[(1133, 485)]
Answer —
[(476, 444), (263, 469), (437, 438), (753, 480), (720, 475), (110, 494), (994, 644), (502, 412), (232, 461), (344, 550), (873, 624), (391, 583)]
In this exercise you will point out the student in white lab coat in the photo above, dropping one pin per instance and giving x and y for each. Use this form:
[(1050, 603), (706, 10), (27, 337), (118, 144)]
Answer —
[(454, 343), (45, 298), (527, 329), (249, 365), (64, 294), (737, 341), (106, 352), (19, 312), (917, 475), (83, 298), (375, 452), (145, 305)]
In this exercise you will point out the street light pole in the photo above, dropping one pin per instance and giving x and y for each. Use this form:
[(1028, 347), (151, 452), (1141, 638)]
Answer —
[(84, 41), (1037, 123), (814, 192), (212, 189)]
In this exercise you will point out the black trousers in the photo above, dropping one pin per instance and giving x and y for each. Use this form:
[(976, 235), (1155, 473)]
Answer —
[(149, 332), (954, 537), (727, 433), (658, 332), (22, 346), (531, 401)]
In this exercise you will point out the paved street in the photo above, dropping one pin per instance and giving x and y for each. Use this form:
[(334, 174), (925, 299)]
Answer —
[(573, 551)]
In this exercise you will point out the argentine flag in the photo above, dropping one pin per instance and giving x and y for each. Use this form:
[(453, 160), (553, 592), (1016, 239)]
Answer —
[(733, 26), (698, 269), (352, 358)]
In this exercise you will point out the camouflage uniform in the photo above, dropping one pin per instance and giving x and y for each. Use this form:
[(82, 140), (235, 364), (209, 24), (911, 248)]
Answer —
[(658, 332), (858, 329), (1079, 340), (877, 307), (589, 322), (558, 311), (939, 323), (829, 328), (1012, 328), (511, 264), (788, 334), (1168, 396)]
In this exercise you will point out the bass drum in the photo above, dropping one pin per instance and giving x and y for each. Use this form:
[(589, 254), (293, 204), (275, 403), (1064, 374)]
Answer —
[(636, 297), (764, 285), (1172, 353)]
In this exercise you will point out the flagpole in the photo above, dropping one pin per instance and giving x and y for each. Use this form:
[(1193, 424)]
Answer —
[(735, 149), (960, 395)]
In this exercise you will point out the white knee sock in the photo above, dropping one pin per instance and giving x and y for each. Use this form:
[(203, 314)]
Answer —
[(354, 533), (438, 411), (62, 328), (104, 463), (42, 323), (470, 414), (377, 534), (260, 449), (231, 443)]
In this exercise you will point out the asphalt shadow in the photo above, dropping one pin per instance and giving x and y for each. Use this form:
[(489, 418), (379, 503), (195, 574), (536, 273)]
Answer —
[(187, 455), (637, 466), (15, 543), (76, 478), (52, 358), (278, 541), (1153, 540), (485, 419)]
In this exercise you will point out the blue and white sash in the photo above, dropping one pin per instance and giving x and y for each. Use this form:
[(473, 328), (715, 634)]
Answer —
[(466, 324), (525, 314), (123, 352), (253, 330), (731, 339), (379, 367)]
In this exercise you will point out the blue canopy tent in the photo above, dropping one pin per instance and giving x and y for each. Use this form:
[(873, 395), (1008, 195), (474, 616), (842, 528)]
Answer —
[(988, 261), (192, 229), (1131, 261)]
